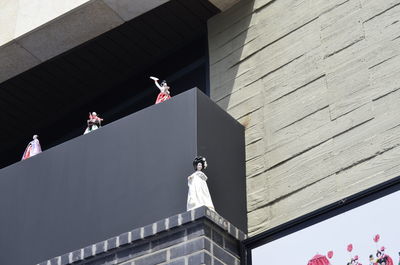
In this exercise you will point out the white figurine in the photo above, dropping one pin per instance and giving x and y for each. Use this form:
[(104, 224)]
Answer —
[(198, 194), (164, 90), (32, 149)]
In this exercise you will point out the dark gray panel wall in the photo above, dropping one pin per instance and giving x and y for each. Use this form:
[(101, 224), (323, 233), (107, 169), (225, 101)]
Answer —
[(221, 140), (127, 174)]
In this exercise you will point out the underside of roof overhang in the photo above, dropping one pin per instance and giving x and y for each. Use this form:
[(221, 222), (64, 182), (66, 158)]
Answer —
[(32, 32)]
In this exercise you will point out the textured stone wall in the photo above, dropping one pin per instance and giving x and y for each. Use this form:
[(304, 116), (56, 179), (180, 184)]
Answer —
[(317, 85), (197, 237)]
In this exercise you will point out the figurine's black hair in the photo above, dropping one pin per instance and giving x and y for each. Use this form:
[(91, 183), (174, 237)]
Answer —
[(199, 159), (163, 82)]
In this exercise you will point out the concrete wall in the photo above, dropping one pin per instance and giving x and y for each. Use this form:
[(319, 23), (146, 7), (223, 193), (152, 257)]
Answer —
[(316, 83)]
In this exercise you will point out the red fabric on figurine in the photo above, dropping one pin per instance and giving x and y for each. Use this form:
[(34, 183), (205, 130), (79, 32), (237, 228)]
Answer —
[(162, 97), (319, 260), (32, 149), (164, 90), (27, 153)]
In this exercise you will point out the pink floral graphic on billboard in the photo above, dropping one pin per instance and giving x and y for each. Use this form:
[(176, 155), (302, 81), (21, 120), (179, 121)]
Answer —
[(378, 258), (358, 236)]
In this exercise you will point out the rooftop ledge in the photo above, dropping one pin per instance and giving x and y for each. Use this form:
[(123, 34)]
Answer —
[(125, 175)]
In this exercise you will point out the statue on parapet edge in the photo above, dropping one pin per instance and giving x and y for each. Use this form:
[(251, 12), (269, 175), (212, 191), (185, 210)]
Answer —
[(32, 149), (93, 123), (164, 90), (198, 194)]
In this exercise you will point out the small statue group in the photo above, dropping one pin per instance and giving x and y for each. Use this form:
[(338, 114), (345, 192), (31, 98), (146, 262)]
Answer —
[(198, 194), (93, 123), (34, 148)]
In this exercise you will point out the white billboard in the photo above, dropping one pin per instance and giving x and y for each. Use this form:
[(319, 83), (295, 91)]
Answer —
[(368, 235)]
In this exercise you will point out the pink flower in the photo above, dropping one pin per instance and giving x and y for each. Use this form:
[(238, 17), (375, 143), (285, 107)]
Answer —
[(350, 247)]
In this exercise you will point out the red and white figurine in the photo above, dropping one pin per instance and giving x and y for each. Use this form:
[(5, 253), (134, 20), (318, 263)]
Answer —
[(164, 90), (32, 149), (93, 123)]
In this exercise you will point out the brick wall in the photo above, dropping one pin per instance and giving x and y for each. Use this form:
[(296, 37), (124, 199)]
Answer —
[(196, 237), (316, 83)]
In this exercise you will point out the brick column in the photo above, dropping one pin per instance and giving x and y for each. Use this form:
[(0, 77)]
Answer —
[(200, 236)]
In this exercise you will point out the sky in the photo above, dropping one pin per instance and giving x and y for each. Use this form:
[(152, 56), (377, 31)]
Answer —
[(357, 226)]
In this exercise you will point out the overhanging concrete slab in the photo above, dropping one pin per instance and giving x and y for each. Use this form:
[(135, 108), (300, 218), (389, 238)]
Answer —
[(69, 31), (47, 28), (224, 4), (8, 20), (129, 9), (15, 59)]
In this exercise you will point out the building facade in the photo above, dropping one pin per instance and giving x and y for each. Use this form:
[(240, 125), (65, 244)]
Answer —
[(315, 83)]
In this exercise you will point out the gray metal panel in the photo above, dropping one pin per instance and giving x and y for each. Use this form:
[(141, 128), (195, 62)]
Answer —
[(127, 174), (221, 140)]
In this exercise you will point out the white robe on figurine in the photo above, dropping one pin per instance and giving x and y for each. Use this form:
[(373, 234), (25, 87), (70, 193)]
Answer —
[(32, 149), (90, 129), (198, 194)]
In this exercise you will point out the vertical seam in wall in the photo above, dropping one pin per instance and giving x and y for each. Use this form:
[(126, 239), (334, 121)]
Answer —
[(113, 11), (197, 121), (28, 51), (362, 22), (207, 65)]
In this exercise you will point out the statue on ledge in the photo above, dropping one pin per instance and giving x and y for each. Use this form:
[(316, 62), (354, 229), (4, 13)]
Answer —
[(93, 123), (164, 90), (198, 194), (32, 149)]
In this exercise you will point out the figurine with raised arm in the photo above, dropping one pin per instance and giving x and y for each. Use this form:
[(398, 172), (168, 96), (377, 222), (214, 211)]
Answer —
[(164, 90), (198, 194), (93, 123), (32, 149)]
